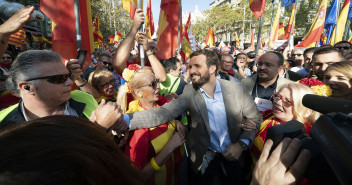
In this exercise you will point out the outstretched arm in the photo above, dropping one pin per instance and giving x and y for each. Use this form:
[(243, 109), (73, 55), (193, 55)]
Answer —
[(12, 25), (124, 49)]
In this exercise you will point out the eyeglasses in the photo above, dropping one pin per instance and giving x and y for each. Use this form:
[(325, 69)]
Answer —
[(153, 84), (227, 62), (344, 47), (106, 85), (55, 79), (107, 63), (297, 55), (286, 102), (6, 58)]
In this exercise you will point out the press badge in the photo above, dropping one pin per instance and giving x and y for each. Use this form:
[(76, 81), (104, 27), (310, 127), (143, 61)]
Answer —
[(263, 104)]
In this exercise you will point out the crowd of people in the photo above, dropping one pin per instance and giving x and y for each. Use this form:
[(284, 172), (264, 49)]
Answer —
[(200, 121)]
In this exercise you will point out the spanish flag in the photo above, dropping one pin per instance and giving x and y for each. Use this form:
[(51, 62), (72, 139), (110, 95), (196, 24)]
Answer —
[(149, 23), (64, 32), (210, 39), (17, 38), (187, 25), (281, 32), (257, 7), (131, 6), (111, 39), (290, 23), (168, 29), (117, 37), (315, 31), (96, 31), (237, 40), (275, 29), (341, 23), (186, 48)]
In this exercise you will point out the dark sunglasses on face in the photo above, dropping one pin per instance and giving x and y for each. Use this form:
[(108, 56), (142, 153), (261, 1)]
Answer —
[(107, 63), (297, 55), (6, 58), (153, 84), (55, 79), (344, 47), (287, 103)]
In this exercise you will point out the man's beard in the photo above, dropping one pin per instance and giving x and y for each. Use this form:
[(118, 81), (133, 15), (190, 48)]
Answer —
[(202, 80)]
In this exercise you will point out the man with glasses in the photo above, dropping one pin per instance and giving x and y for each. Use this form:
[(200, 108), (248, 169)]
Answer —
[(298, 59), (226, 64), (345, 47), (44, 84)]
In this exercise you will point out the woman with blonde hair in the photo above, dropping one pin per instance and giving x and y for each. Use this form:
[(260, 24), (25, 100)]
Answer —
[(287, 106), (339, 77), (155, 151), (103, 81)]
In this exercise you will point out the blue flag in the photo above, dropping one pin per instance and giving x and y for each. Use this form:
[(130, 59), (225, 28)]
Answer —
[(330, 19), (287, 2)]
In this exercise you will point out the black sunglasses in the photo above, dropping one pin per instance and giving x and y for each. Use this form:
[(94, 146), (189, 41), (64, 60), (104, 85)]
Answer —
[(6, 58), (153, 84), (297, 55), (55, 79), (107, 63), (344, 47)]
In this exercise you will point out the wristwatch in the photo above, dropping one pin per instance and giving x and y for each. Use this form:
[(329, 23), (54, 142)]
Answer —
[(243, 145)]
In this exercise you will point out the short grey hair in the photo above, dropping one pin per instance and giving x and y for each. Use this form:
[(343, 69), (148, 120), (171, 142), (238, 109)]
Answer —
[(26, 64)]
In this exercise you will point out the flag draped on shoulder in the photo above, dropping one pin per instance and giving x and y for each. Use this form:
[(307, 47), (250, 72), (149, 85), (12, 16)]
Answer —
[(290, 23), (341, 23), (149, 23), (96, 30), (131, 6), (287, 2), (210, 39), (275, 28), (257, 7), (17, 38), (315, 31), (168, 29), (64, 32)]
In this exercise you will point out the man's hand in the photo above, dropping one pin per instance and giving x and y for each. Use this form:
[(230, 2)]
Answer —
[(175, 141), (74, 68), (17, 20), (233, 152), (109, 116), (138, 19), (143, 40), (278, 168), (180, 127)]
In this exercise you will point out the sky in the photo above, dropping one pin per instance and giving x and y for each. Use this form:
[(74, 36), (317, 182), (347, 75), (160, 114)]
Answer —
[(187, 6)]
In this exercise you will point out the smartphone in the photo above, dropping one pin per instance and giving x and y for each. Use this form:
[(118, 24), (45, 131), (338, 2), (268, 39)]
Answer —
[(81, 56)]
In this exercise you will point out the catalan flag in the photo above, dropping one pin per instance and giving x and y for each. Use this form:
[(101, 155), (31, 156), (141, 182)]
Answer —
[(257, 7), (341, 23), (96, 31), (168, 29), (210, 39), (17, 38), (149, 23), (291, 23), (131, 6), (64, 32), (275, 29), (281, 33), (315, 31)]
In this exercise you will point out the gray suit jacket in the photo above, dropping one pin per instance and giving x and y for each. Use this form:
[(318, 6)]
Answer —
[(249, 83), (238, 104)]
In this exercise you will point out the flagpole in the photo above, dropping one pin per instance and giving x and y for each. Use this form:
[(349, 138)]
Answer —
[(77, 24), (292, 26), (337, 19), (272, 20), (141, 49), (258, 40), (179, 26)]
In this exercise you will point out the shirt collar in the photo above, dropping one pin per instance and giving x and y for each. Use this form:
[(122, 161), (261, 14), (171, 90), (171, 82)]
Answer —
[(217, 87)]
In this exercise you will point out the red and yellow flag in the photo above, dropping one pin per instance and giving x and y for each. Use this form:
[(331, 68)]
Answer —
[(315, 31), (168, 29), (17, 38), (210, 39), (341, 23), (257, 7), (149, 23), (281, 32), (64, 33), (290, 23), (96, 31), (237, 40), (117, 37), (275, 29), (323, 39), (111, 39), (131, 6), (187, 25), (252, 39), (186, 48)]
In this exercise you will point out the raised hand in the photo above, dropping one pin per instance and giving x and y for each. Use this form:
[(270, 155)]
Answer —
[(17, 20), (75, 68), (138, 19)]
